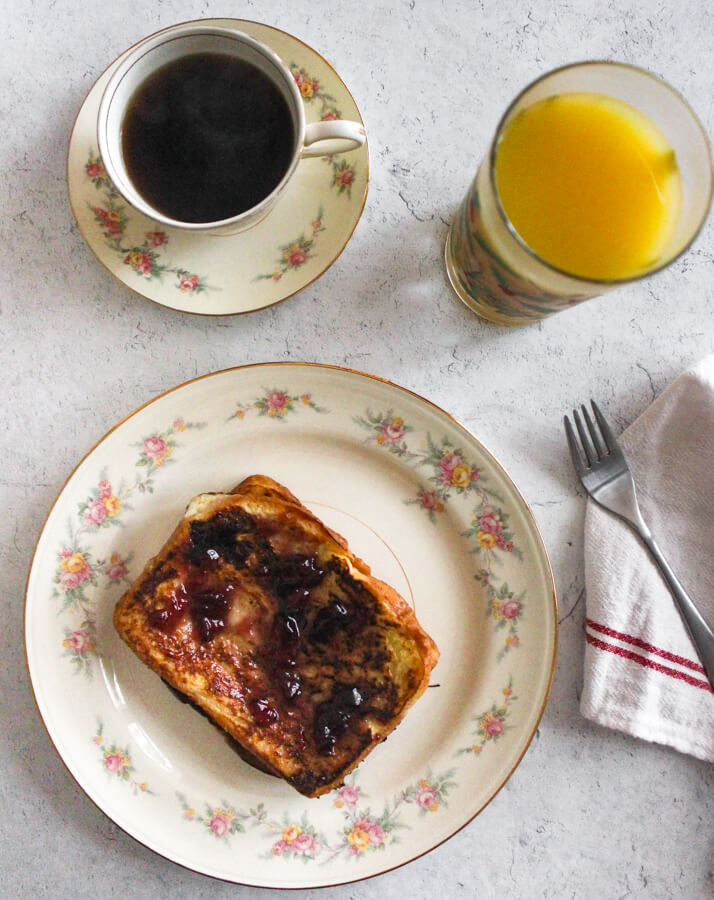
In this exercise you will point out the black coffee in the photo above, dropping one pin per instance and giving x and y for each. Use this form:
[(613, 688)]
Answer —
[(207, 137)]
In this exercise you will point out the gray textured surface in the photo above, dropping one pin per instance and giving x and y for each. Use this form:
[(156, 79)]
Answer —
[(589, 813)]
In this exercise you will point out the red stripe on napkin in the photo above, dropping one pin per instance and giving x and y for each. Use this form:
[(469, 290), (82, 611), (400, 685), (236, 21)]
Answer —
[(648, 663), (643, 645)]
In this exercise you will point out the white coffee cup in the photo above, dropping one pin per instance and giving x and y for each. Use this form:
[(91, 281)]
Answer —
[(315, 139)]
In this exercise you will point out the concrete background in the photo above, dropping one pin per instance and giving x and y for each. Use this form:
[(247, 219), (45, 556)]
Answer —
[(589, 813)]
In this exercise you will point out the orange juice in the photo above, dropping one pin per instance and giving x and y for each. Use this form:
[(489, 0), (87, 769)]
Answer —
[(590, 184)]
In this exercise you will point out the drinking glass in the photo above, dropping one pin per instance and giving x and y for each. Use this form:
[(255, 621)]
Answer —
[(496, 273)]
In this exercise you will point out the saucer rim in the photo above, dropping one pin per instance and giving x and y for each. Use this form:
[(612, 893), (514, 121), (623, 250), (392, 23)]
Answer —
[(194, 312)]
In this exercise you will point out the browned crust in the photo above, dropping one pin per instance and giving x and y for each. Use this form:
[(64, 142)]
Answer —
[(271, 488), (130, 620)]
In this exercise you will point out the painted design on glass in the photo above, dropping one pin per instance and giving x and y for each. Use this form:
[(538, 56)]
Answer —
[(486, 277)]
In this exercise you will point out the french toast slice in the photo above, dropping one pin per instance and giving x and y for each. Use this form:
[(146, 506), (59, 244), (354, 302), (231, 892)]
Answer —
[(260, 615)]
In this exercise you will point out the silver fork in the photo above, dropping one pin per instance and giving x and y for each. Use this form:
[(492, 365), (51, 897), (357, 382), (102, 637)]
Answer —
[(606, 477)]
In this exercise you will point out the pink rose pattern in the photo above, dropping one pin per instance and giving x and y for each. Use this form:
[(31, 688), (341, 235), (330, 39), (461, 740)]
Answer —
[(450, 471), (313, 92), (452, 474), (143, 262), (224, 821), (155, 447), (491, 724), (305, 844), (102, 508), (296, 253), (387, 430), (429, 500), (116, 762), (427, 798), (189, 283), (116, 569), (360, 832), (68, 581), (277, 404), (220, 824), (95, 171), (78, 569), (79, 644), (156, 238), (489, 528), (156, 450), (79, 641), (297, 841), (144, 259), (347, 795), (111, 221), (391, 433), (506, 610), (510, 609), (343, 175)]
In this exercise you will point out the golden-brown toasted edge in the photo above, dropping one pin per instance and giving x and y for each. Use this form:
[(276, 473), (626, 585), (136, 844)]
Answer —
[(255, 484)]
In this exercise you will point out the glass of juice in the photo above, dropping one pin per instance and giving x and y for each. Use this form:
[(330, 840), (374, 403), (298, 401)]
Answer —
[(599, 173)]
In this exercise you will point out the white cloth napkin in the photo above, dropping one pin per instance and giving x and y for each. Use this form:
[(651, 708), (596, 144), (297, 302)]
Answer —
[(642, 674)]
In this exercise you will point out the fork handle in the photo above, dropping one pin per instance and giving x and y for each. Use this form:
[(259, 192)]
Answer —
[(701, 634)]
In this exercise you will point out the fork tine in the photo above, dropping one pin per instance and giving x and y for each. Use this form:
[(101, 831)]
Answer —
[(608, 436), (584, 439), (597, 443), (573, 445)]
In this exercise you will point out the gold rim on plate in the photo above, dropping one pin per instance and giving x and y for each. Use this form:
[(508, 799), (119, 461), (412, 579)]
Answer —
[(486, 453)]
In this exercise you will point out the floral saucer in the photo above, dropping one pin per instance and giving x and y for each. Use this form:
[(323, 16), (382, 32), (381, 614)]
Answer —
[(419, 498), (228, 274)]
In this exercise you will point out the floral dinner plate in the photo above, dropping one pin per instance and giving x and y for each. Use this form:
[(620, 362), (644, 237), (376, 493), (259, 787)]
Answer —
[(226, 274), (419, 498)]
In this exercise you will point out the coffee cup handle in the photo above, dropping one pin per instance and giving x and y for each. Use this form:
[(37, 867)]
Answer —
[(335, 136)]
